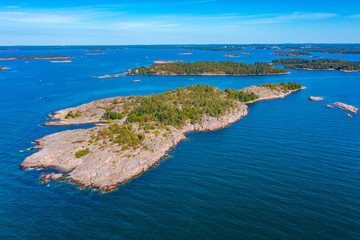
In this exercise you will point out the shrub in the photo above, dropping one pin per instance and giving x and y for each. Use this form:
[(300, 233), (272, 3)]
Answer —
[(82, 153)]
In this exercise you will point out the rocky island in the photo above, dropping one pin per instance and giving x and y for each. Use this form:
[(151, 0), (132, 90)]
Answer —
[(137, 131), (318, 64), (51, 57), (95, 53), (208, 69), (165, 62), (346, 107), (316, 99), (4, 68), (291, 53), (231, 55)]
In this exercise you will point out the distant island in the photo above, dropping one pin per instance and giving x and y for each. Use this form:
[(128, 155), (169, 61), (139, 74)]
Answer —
[(230, 55), (4, 68), (208, 68), (51, 57), (64, 61), (165, 62), (303, 47), (95, 53), (133, 133), (318, 64), (291, 54)]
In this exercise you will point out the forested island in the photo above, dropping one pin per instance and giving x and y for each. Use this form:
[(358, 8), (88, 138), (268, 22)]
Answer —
[(208, 68), (318, 64), (137, 131), (291, 53), (38, 57)]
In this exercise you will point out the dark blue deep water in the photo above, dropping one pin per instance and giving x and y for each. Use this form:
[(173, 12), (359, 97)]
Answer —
[(288, 170)]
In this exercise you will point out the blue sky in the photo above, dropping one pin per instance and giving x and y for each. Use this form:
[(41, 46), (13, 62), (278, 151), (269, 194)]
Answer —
[(79, 22)]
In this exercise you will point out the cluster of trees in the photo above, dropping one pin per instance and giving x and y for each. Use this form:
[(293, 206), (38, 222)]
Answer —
[(318, 64), (177, 106), (198, 68), (283, 86), (110, 115), (122, 135), (73, 115), (241, 95)]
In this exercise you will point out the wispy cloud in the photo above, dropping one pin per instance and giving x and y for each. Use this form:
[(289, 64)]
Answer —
[(354, 16), (193, 2), (290, 17), (34, 18), (264, 18), (144, 24)]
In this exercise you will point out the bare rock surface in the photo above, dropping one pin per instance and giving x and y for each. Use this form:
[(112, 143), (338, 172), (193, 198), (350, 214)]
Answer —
[(265, 93), (346, 107), (329, 106), (107, 165), (316, 99)]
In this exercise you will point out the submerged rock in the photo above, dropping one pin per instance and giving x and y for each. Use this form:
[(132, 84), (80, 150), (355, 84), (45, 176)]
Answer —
[(316, 99), (329, 106)]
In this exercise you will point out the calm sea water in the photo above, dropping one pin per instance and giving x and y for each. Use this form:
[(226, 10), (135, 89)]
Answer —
[(288, 170)]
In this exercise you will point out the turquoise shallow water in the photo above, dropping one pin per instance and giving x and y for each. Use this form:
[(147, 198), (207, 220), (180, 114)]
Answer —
[(288, 170)]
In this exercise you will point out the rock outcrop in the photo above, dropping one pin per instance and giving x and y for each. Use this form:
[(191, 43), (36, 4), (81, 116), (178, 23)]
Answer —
[(346, 107), (316, 99), (45, 178)]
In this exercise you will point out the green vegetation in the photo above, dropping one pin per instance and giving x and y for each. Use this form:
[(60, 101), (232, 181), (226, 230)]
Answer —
[(110, 115), (177, 106), (284, 86), (122, 135), (241, 95), (73, 115), (172, 108), (291, 53), (215, 68), (318, 64), (82, 153)]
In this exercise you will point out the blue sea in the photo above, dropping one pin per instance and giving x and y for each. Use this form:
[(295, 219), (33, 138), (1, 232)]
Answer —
[(290, 169)]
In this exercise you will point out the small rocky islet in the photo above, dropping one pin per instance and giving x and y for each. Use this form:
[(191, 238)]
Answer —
[(339, 104), (135, 132), (37, 57)]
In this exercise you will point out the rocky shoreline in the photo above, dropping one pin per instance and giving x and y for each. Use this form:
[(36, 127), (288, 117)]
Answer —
[(108, 165)]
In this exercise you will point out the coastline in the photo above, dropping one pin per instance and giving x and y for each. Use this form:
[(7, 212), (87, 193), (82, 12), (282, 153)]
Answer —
[(57, 150)]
